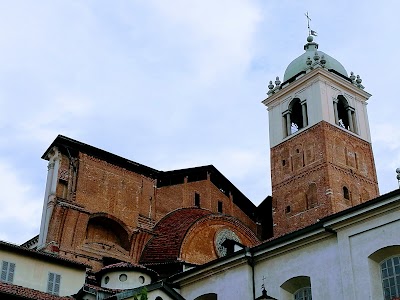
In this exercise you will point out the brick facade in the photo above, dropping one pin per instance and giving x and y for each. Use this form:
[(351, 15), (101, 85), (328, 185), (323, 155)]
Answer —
[(310, 172), (104, 209)]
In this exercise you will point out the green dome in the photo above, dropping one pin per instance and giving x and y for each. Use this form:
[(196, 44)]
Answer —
[(299, 64)]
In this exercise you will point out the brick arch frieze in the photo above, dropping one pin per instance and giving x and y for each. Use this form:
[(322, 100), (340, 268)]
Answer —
[(304, 173), (352, 174)]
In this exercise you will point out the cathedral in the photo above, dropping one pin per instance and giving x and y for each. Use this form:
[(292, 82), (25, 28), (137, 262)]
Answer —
[(112, 228)]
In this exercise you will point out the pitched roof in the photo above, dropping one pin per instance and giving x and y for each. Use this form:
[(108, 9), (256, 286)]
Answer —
[(32, 242), (164, 178), (41, 255), (169, 233), (27, 293)]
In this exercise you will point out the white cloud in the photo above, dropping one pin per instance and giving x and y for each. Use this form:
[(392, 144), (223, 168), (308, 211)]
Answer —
[(21, 206), (175, 84), (217, 34)]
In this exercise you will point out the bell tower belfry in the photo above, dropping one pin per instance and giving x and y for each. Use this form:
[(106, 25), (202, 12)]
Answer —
[(321, 154)]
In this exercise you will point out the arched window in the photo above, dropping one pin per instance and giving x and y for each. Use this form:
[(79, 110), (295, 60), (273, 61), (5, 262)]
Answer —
[(295, 118), (210, 296), (390, 270), (312, 196), (303, 294), (297, 288), (344, 114), (346, 193)]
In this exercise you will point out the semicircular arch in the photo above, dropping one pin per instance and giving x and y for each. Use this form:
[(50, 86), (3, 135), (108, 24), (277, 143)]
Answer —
[(105, 228), (202, 237)]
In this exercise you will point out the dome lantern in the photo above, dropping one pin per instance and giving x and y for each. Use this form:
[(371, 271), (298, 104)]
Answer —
[(302, 63)]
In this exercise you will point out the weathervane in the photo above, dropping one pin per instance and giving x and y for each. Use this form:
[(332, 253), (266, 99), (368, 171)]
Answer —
[(310, 31)]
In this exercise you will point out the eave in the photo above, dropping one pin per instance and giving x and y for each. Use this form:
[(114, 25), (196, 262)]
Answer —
[(318, 74)]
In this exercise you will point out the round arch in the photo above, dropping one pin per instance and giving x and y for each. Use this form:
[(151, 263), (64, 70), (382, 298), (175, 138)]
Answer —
[(104, 227)]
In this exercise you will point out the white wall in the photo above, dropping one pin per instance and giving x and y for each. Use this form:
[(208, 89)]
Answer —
[(235, 283), (357, 243), (341, 262), (33, 273), (131, 282), (319, 90), (318, 260)]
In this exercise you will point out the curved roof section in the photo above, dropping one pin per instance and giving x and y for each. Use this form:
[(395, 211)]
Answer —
[(128, 267), (170, 232), (300, 63)]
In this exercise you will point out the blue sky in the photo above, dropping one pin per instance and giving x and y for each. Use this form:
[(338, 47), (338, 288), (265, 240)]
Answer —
[(173, 84)]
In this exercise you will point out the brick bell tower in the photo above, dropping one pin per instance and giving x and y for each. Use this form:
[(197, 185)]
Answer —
[(321, 154)]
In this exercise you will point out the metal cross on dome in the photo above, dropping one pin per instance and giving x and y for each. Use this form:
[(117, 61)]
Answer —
[(310, 31)]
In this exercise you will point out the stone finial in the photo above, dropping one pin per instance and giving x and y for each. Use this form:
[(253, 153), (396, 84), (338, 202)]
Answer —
[(308, 61), (358, 82), (316, 56), (352, 76), (277, 81), (323, 60), (270, 88)]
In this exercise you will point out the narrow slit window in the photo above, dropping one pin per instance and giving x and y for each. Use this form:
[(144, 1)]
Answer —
[(346, 193), (220, 207), (197, 199)]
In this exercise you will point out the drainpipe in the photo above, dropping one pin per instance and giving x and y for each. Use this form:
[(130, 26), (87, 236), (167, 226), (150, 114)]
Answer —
[(250, 261)]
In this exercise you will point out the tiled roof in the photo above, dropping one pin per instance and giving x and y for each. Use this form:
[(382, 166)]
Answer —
[(27, 293), (41, 255), (169, 235), (31, 242)]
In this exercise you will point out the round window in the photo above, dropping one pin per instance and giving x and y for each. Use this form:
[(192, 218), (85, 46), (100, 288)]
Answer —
[(106, 279), (141, 279), (123, 277)]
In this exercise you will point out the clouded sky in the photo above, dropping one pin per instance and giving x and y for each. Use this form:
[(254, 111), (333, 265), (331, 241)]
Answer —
[(174, 84)]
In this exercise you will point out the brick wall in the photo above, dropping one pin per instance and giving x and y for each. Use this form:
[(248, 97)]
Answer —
[(101, 208), (310, 171)]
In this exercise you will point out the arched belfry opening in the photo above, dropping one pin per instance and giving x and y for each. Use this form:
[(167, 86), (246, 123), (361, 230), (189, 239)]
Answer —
[(344, 114), (295, 118)]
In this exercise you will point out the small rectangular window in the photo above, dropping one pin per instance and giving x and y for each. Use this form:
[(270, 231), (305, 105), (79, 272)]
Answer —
[(7, 272), (53, 283), (197, 199), (220, 207)]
